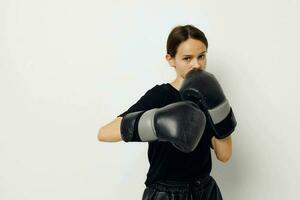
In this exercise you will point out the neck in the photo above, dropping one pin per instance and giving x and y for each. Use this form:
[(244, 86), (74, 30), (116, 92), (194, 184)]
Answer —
[(177, 82)]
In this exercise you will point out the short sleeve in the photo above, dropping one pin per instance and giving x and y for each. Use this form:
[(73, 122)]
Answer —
[(153, 98), (211, 146)]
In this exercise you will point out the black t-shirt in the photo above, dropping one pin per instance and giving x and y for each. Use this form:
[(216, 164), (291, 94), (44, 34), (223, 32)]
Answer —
[(166, 161)]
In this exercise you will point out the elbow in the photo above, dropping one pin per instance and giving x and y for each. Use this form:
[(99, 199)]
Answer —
[(100, 135), (224, 158)]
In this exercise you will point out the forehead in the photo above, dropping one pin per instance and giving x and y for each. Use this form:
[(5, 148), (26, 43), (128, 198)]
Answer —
[(190, 47)]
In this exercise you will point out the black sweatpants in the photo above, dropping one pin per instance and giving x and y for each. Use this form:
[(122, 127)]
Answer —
[(199, 189)]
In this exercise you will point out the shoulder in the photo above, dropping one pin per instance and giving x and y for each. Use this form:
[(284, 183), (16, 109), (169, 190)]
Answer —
[(154, 97), (156, 94), (158, 89)]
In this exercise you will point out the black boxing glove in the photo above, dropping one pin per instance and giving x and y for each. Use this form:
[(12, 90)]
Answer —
[(203, 88), (181, 123)]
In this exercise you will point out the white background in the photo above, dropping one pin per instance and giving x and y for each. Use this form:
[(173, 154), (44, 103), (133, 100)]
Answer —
[(69, 67)]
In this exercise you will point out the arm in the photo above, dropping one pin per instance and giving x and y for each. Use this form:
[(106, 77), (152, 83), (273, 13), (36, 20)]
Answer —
[(222, 148), (111, 131), (154, 124)]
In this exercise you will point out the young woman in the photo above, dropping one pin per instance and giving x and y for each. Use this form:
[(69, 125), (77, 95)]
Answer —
[(174, 174)]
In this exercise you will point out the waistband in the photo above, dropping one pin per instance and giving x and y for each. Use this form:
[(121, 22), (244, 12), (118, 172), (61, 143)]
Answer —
[(181, 186)]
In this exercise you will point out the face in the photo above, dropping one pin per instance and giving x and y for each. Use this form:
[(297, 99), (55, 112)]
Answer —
[(190, 54)]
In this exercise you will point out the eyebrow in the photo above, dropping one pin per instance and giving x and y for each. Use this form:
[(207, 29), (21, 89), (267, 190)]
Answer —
[(190, 55)]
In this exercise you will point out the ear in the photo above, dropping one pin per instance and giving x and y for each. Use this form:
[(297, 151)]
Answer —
[(170, 60)]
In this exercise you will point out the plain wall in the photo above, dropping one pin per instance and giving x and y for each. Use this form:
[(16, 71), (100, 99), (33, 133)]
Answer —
[(69, 67)]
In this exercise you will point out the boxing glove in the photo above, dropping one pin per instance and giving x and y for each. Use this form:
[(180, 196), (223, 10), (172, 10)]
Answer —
[(202, 88), (181, 123)]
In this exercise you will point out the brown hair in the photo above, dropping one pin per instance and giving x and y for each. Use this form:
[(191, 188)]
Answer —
[(182, 33)]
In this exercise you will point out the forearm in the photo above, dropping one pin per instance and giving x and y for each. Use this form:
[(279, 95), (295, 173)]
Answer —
[(222, 148), (111, 132)]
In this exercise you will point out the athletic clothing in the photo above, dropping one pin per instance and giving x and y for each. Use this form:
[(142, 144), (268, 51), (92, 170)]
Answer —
[(199, 189), (167, 163)]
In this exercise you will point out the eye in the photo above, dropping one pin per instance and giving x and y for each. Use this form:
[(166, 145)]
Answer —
[(202, 56), (186, 58)]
